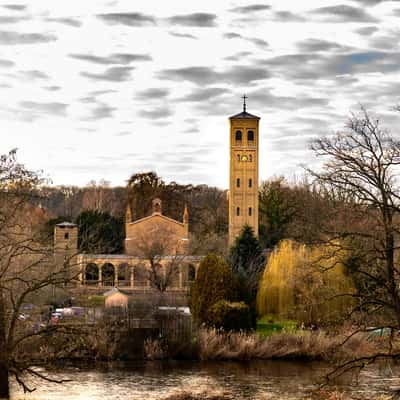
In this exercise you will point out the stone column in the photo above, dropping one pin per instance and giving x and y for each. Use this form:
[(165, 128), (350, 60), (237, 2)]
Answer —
[(180, 277), (148, 276), (132, 276), (100, 276), (82, 275), (116, 275)]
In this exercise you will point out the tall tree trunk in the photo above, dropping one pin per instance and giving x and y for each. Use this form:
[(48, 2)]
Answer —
[(4, 369)]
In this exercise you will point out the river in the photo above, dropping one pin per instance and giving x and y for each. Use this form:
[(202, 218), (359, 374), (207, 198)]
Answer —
[(254, 380)]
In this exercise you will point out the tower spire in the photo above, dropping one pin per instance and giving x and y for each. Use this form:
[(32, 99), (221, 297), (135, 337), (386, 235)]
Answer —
[(244, 97)]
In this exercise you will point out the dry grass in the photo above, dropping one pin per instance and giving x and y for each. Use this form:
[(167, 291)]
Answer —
[(200, 396), (216, 345)]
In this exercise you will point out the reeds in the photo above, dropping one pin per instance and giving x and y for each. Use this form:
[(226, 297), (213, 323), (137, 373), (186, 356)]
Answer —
[(200, 396), (217, 345)]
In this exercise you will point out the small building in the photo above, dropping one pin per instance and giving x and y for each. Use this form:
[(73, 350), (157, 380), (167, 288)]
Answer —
[(116, 298)]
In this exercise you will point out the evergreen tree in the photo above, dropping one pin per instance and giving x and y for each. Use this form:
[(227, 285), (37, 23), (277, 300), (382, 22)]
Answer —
[(247, 261), (99, 232), (246, 256), (214, 282)]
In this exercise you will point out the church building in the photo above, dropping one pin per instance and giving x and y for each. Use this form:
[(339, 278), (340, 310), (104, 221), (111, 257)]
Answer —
[(128, 270)]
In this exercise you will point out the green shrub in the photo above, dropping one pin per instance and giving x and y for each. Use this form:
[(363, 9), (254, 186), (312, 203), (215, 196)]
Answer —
[(230, 316), (214, 282)]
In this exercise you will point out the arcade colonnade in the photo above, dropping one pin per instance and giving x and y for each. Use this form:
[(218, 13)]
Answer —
[(133, 272)]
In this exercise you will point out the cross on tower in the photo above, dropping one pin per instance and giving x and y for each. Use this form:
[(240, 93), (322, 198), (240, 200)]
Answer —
[(244, 97)]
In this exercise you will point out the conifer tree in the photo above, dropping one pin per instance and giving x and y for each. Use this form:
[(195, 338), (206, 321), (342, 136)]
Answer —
[(246, 256), (214, 282), (247, 261)]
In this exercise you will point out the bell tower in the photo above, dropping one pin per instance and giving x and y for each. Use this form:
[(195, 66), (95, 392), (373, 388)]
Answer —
[(243, 175)]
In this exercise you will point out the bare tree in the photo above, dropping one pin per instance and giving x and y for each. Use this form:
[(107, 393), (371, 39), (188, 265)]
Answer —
[(26, 269), (161, 248), (362, 162)]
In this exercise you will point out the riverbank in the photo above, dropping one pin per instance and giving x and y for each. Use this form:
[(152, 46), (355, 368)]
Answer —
[(210, 344)]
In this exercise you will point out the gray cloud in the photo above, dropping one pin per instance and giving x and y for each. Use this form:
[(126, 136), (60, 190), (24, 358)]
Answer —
[(287, 16), (30, 75), (14, 38), (258, 42), (37, 109), (101, 92), (251, 8), (344, 13), (8, 19), (88, 99), (129, 19), (311, 45), (157, 113), (113, 74), (34, 74), (202, 20), (204, 94), (102, 111), (232, 35), (264, 98), (183, 35), (390, 41), (192, 130), (367, 30), (318, 66), (153, 93), (66, 21), (244, 74), (52, 88), (239, 56), (6, 63), (371, 2), (205, 75), (15, 7), (199, 75), (116, 58)]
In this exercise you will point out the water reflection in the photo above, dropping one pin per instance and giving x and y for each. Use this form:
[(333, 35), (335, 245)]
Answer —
[(256, 380)]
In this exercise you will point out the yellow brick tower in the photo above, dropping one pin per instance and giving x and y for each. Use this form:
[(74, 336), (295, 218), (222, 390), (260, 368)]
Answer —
[(243, 180)]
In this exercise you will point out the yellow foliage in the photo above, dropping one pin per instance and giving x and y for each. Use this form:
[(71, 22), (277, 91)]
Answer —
[(305, 283)]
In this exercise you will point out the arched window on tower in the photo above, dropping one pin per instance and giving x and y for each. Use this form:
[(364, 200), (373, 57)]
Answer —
[(250, 211), (250, 136), (238, 136), (250, 182), (250, 158), (237, 211), (237, 182), (238, 157)]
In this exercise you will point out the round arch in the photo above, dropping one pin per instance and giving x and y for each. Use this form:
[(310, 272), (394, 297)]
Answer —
[(124, 274), (91, 274), (191, 273), (108, 274)]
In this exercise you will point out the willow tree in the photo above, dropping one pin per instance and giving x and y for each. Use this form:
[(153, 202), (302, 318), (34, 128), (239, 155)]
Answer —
[(305, 283)]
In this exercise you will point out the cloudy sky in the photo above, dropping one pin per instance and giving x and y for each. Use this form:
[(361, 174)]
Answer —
[(103, 89)]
